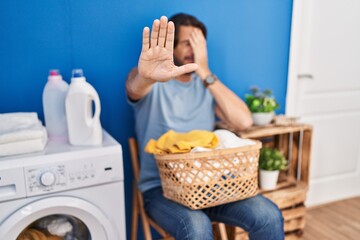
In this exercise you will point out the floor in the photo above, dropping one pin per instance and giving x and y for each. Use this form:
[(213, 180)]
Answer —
[(338, 220)]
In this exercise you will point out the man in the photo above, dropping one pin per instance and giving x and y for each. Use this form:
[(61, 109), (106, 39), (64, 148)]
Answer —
[(173, 88)]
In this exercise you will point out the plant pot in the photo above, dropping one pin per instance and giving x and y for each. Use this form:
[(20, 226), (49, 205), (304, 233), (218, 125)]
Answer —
[(268, 179), (262, 118)]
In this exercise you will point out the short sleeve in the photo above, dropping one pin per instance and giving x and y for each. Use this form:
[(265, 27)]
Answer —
[(140, 102)]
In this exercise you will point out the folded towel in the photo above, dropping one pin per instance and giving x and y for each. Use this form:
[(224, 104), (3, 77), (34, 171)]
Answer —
[(21, 133), (17, 120), (173, 142), (16, 127), (228, 139), (35, 131), (25, 146)]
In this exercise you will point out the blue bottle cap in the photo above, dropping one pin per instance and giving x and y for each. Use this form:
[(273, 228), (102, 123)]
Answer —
[(76, 73)]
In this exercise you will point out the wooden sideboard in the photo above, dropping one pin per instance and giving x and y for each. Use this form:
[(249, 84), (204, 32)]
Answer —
[(290, 194)]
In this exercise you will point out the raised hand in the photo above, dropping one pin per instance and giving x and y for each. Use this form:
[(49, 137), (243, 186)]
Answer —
[(156, 59), (198, 44)]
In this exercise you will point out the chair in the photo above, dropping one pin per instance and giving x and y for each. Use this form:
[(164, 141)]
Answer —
[(138, 205)]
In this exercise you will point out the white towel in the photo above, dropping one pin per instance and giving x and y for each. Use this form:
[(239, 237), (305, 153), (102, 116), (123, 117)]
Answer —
[(228, 139), (21, 133), (25, 146), (15, 127), (17, 120)]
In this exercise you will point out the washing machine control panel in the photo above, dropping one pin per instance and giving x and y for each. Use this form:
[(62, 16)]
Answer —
[(46, 179), (69, 175)]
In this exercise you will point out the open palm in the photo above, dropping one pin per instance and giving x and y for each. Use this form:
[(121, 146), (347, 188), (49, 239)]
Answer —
[(156, 59)]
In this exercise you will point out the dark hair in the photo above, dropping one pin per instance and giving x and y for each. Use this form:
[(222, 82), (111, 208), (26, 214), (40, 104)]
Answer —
[(183, 19)]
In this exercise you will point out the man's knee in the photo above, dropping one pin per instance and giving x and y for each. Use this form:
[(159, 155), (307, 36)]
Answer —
[(268, 222), (269, 215), (197, 226), (275, 217)]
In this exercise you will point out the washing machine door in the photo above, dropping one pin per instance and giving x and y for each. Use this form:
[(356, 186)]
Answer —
[(97, 223)]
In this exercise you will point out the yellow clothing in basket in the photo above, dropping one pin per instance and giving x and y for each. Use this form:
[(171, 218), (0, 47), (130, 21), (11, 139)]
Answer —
[(173, 142)]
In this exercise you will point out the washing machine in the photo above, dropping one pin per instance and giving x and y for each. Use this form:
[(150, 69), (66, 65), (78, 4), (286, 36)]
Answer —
[(65, 192)]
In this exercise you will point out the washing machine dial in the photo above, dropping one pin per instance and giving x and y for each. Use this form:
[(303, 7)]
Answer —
[(47, 178)]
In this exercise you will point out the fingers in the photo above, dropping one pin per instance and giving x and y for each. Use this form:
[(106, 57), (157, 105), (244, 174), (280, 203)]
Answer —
[(162, 32), (155, 33), (194, 39), (192, 42), (169, 44), (197, 37), (145, 40), (187, 68)]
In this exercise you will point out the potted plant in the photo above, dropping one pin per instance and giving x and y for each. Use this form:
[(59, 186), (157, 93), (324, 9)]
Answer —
[(271, 161), (262, 105)]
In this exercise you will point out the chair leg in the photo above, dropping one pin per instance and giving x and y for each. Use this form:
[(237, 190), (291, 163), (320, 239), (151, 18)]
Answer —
[(222, 230), (144, 219), (135, 215)]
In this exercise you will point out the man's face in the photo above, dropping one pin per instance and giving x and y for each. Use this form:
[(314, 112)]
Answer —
[(183, 52)]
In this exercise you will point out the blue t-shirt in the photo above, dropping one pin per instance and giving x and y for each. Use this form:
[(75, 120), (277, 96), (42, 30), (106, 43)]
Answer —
[(174, 105)]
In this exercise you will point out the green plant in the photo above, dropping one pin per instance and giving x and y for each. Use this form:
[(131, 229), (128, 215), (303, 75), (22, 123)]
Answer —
[(272, 159), (261, 101)]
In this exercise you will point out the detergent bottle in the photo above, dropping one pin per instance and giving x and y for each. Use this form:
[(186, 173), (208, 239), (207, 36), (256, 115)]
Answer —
[(53, 99), (84, 125)]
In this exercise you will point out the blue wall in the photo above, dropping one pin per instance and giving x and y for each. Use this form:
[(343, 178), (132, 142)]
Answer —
[(248, 42)]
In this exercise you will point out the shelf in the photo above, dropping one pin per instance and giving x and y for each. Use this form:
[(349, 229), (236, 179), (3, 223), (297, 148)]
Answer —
[(293, 140), (288, 197), (267, 130), (290, 193), (284, 182)]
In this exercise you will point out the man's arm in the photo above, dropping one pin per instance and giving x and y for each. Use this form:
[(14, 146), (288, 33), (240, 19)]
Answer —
[(156, 62), (136, 86), (229, 107)]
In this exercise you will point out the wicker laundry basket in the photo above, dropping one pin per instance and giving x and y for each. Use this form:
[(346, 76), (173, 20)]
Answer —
[(206, 179)]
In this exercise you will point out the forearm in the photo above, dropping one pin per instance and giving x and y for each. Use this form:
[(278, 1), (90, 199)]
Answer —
[(230, 108), (136, 86)]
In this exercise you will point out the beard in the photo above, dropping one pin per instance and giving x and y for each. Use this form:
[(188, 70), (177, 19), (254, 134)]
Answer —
[(179, 63)]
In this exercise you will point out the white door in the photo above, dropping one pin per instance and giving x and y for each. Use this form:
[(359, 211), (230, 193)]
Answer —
[(324, 90)]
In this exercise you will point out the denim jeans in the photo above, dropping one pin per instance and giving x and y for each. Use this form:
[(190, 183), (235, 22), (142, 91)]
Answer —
[(260, 217)]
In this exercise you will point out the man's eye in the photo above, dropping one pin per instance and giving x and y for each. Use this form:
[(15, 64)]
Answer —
[(185, 43)]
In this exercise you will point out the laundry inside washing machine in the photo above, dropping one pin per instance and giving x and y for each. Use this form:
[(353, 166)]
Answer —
[(56, 227)]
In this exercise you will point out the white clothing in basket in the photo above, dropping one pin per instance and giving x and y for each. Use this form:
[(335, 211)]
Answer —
[(228, 139)]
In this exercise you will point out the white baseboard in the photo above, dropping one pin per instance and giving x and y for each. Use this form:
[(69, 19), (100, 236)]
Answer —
[(321, 192)]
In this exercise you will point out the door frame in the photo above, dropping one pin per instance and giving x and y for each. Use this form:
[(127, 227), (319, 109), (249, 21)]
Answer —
[(299, 39)]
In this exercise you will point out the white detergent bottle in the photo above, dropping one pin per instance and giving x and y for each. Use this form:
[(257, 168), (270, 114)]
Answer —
[(83, 125), (53, 99)]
